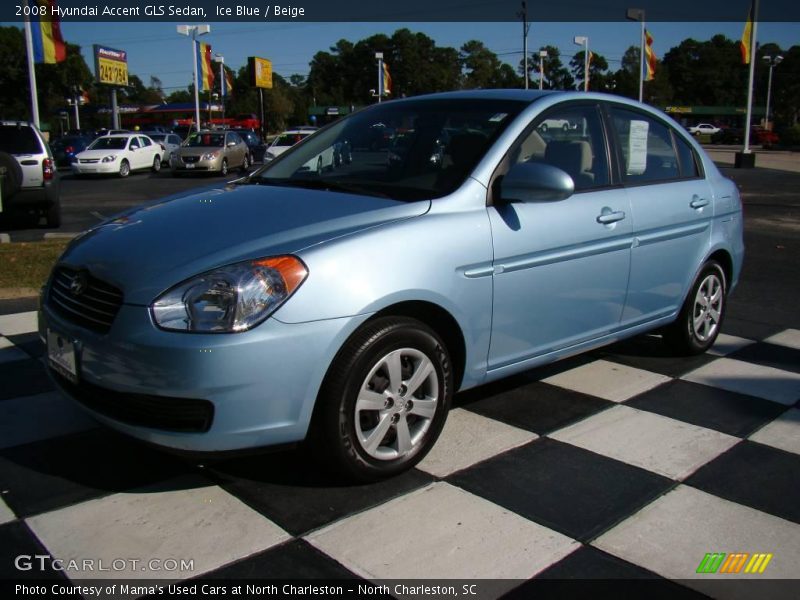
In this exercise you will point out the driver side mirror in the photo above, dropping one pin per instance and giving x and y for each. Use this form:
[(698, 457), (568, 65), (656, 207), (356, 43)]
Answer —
[(536, 182)]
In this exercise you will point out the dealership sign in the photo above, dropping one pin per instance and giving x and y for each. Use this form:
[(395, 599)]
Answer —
[(110, 65), (260, 72)]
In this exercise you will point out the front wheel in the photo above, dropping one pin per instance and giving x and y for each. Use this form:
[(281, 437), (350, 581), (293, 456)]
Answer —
[(223, 170), (245, 163), (698, 324), (124, 168), (384, 401), (156, 163)]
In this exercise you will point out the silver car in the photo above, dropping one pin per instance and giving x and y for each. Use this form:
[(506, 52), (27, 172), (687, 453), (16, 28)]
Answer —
[(211, 151)]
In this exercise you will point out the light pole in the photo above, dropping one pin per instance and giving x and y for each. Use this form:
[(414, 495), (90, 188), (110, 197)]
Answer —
[(542, 56), (582, 40), (379, 56), (223, 87), (637, 14), (194, 31), (525, 28), (772, 61)]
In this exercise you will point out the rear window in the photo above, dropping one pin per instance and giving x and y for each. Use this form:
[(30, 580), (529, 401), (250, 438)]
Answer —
[(19, 140)]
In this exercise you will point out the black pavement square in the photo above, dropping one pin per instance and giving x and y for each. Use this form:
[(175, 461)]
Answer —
[(28, 342), (296, 559), (713, 408), (16, 540), (752, 330), (23, 378), (294, 492), (10, 306), (533, 405), (770, 355), (566, 488), (759, 476), (650, 353), (44, 476)]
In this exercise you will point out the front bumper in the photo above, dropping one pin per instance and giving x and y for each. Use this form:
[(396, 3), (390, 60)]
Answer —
[(262, 384), (201, 165), (98, 168)]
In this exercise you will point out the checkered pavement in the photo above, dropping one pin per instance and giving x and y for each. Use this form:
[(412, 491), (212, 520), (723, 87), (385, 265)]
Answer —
[(623, 463)]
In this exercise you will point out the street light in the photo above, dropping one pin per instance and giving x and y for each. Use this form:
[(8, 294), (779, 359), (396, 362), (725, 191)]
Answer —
[(194, 31), (582, 40), (637, 14), (223, 91), (772, 61), (379, 57), (542, 56)]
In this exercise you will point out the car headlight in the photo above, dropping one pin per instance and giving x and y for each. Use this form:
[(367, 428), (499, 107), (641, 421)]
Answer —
[(233, 298), (210, 155), (109, 158)]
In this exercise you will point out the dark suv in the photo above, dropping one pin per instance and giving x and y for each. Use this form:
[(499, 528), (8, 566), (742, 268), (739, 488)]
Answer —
[(28, 172)]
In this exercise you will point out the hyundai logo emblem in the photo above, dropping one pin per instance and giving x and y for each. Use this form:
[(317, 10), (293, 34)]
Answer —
[(79, 283)]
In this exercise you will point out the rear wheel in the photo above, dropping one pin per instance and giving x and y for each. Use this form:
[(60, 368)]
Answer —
[(698, 324), (384, 401)]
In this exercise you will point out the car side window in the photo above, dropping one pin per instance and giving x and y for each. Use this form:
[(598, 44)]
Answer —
[(686, 157), (145, 142), (234, 138), (570, 138), (134, 143), (174, 139), (648, 152)]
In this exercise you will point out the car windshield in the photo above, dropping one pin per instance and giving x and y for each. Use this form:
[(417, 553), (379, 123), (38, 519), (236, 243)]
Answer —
[(199, 140), (109, 143), (409, 150), (289, 139)]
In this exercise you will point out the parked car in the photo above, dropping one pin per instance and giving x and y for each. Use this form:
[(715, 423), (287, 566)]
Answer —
[(28, 176), (735, 135), (704, 128), (557, 124), (211, 151), (345, 307), (65, 148), (255, 144), (284, 141), (118, 154), (170, 143)]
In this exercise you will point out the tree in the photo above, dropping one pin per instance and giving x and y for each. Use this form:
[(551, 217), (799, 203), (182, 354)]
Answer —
[(599, 81), (556, 75)]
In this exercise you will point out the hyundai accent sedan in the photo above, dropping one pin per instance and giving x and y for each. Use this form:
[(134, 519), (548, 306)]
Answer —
[(345, 307)]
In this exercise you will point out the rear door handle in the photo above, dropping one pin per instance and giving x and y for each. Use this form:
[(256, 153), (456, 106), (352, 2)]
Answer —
[(607, 218), (698, 202)]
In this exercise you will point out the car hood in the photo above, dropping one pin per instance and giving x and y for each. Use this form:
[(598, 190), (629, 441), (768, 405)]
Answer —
[(151, 248), (99, 153)]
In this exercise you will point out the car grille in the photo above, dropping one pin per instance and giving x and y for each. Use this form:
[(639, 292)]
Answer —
[(94, 307), (143, 410), (190, 159), (89, 161)]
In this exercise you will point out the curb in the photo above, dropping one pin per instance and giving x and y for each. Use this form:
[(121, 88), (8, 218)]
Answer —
[(5, 238)]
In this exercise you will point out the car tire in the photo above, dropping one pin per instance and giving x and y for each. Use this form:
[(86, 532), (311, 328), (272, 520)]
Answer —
[(124, 168), (156, 163), (700, 319), (223, 169), (245, 163), (565, 127), (12, 178), (384, 400), (52, 215)]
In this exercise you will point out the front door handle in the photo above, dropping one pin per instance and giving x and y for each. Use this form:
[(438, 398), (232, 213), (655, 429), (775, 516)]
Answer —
[(608, 217), (698, 202)]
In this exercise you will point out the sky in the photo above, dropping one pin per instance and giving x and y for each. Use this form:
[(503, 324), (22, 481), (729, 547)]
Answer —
[(156, 49)]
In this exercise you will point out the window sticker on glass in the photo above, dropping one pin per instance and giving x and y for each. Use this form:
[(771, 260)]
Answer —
[(637, 148), (498, 117)]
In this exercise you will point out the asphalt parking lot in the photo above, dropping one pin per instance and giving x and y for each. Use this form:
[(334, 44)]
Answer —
[(624, 463)]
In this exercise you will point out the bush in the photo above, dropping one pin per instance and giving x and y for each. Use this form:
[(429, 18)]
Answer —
[(790, 136)]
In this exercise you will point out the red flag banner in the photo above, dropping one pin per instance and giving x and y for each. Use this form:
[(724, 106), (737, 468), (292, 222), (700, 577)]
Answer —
[(747, 34), (649, 57)]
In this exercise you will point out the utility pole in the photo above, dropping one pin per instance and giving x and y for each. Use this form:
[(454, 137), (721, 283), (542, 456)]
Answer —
[(525, 28), (379, 57)]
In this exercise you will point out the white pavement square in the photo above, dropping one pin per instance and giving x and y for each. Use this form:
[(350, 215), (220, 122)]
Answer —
[(180, 519), (18, 323), (789, 338), (659, 444), (748, 378), (469, 438), (608, 380), (673, 534), (783, 432), (442, 532), (6, 514), (32, 418)]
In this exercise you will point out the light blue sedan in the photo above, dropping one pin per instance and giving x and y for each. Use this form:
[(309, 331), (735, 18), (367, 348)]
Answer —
[(346, 306)]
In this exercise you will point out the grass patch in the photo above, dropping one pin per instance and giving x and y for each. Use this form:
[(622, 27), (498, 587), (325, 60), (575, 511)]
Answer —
[(27, 264)]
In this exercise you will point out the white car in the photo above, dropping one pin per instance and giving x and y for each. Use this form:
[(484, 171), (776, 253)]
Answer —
[(706, 128), (118, 154), (170, 143), (555, 124), (285, 141)]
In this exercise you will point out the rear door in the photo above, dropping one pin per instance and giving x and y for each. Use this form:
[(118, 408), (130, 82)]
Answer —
[(671, 210)]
